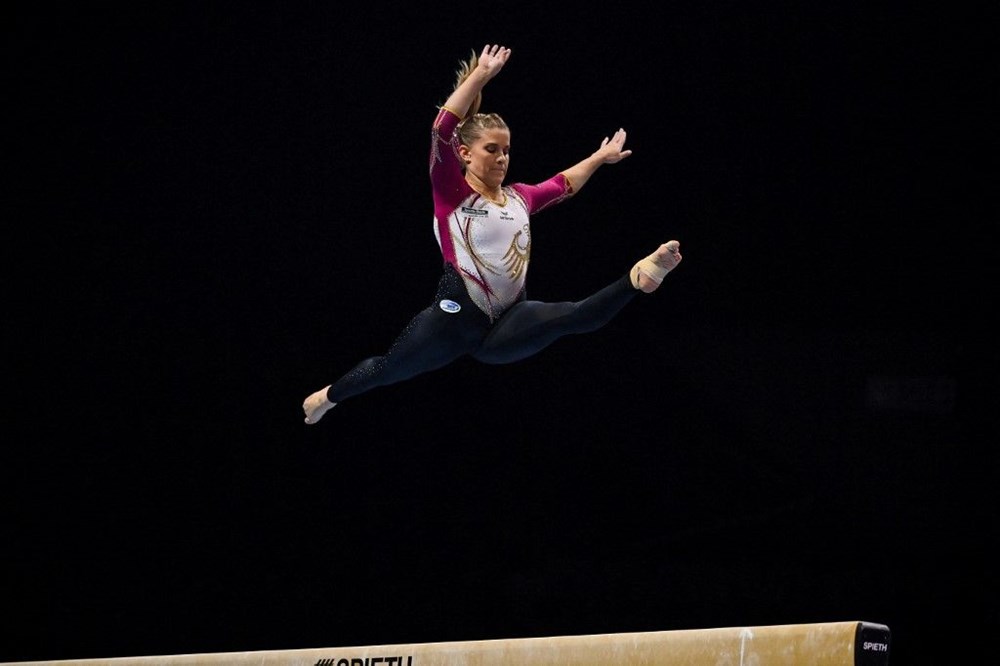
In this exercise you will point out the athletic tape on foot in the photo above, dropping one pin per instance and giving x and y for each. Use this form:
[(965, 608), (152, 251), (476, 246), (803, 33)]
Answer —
[(653, 270)]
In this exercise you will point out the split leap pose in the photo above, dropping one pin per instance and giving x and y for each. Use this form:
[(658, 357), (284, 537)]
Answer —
[(482, 226)]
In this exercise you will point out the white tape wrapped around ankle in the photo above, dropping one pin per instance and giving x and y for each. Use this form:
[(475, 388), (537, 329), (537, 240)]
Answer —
[(653, 270)]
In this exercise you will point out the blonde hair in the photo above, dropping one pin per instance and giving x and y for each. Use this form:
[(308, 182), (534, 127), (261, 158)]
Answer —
[(474, 123)]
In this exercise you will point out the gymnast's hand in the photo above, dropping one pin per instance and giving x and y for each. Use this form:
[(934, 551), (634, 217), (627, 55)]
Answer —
[(492, 60), (611, 150)]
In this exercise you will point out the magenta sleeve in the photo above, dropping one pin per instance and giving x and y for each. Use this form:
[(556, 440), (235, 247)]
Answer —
[(544, 194), (448, 186)]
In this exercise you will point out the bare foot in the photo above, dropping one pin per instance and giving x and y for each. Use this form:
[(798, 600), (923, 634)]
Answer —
[(316, 405), (648, 273)]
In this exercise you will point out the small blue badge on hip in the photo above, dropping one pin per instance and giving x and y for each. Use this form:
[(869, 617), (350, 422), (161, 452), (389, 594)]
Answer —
[(449, 306)]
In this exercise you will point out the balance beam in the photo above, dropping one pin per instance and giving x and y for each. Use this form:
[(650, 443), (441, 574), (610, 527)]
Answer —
[(821, 644)]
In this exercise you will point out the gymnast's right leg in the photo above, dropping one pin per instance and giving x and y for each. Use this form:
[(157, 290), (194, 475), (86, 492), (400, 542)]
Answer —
[(430, 341), (435, 337)]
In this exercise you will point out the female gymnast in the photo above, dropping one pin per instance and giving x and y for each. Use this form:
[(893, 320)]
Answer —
[(482, 226)]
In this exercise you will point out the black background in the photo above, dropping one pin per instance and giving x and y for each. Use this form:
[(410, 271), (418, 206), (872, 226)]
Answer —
[(217, 209)]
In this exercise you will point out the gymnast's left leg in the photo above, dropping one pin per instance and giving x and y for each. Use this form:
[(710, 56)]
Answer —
[(530, 326)]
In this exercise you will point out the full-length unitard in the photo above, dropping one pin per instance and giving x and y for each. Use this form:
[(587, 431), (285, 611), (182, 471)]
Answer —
[(480, 308)]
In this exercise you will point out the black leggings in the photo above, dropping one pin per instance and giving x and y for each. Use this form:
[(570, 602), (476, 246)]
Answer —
[(437, 336)]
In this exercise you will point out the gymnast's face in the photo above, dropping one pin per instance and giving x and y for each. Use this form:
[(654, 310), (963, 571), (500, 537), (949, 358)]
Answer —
[(488, 156)]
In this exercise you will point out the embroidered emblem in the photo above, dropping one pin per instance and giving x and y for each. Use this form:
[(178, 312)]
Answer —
[(516, 259), (449, 306)]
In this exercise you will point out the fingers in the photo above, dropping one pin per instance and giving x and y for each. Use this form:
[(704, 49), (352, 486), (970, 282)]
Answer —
[(613, 148), (617, 140), (495, 52)]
